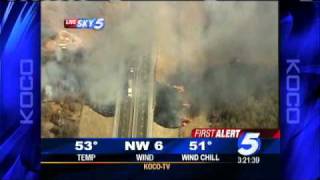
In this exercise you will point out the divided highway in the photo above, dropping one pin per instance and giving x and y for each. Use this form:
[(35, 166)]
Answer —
[(135, 102)]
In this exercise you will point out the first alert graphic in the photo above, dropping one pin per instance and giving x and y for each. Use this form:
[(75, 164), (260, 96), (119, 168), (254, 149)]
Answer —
[(215, 133)]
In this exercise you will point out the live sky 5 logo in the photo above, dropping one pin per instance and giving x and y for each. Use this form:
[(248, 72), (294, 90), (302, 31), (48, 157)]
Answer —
[(85, 23)]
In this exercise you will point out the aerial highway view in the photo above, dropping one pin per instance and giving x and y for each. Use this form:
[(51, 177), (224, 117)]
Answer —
[(157, 69), (135, 103)]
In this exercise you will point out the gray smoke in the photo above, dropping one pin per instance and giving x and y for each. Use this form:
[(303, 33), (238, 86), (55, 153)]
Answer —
[(196, 42)]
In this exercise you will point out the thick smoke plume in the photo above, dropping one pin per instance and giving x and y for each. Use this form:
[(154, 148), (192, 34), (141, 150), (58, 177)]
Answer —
[(221, 51)]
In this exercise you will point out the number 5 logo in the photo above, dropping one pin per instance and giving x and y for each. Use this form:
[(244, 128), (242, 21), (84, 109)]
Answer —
[(249, 144)]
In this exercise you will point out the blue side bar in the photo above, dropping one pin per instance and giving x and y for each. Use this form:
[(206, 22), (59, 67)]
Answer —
[(300, 90), (20, 90)]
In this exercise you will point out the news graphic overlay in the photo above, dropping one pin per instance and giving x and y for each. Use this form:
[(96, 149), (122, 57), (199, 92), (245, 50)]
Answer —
[(160, 86), (248, 153), (84, 23)]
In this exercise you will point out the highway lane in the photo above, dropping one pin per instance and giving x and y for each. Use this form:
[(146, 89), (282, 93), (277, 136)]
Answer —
[(134, 110)]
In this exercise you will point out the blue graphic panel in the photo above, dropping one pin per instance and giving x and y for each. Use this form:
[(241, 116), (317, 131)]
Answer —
[(19, 90), (300, 90), (171, 146)]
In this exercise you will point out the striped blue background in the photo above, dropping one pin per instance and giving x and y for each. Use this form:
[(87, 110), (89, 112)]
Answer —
[(19, 39), (300, 39)]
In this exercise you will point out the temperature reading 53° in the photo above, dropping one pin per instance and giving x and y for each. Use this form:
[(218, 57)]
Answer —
[(195, 145), (85, 145)]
